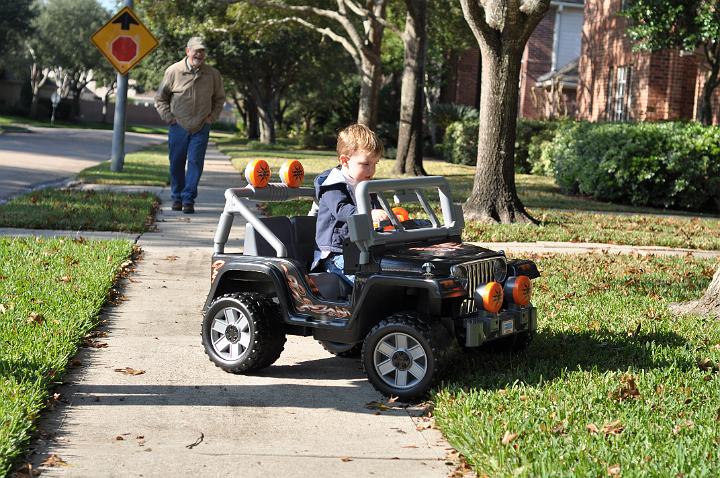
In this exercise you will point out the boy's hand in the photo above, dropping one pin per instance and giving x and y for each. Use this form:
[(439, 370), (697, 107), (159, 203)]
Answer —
[(379, 215)]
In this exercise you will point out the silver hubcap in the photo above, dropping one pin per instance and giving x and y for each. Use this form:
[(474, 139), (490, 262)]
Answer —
[(230, 333), (400, 360)]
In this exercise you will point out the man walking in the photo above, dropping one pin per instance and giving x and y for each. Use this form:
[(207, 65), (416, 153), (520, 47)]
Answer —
[(190, 97)]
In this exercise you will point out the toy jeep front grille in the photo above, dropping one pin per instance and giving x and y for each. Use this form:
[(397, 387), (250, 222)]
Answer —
[(474, 273)]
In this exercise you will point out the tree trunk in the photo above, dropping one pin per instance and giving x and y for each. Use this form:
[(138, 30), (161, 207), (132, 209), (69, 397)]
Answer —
[(409, 158), (253, 119), (266, 108), (494, 197), (371, 68), (370, 78), (708, 305), (705, 112)]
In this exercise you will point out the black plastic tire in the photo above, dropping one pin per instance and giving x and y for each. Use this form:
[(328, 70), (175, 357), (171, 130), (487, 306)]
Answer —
[(342, 350), (262, 332), (433, 342)]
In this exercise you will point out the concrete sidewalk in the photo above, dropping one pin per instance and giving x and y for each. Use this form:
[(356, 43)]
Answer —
[(304, 416)]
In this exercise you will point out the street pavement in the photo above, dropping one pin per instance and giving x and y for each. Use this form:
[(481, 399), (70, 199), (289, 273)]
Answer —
[(304, 416), (47, 155)]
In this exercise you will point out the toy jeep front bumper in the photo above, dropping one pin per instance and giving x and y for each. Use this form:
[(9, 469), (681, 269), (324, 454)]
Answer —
[(485, 326)]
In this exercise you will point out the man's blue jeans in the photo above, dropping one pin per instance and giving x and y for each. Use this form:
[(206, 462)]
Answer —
[(186, 148)]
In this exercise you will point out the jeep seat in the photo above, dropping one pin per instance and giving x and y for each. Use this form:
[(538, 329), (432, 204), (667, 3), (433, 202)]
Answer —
[(297, 233)]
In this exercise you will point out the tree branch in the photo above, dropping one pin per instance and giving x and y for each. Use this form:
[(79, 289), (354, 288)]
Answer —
[(475, 17), (346, 44)]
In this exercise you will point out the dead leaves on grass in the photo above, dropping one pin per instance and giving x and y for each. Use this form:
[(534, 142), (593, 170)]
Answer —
[(627, 390)]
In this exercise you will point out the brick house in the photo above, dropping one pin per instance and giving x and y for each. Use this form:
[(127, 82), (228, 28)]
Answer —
[(617, 84), (548, 78)]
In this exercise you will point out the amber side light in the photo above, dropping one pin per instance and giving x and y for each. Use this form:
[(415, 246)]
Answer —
[(492, 296), (520, 289)]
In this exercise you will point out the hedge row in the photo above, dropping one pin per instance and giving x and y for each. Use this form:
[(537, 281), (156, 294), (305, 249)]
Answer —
[(673, 165), (460, 143), (669, 165)]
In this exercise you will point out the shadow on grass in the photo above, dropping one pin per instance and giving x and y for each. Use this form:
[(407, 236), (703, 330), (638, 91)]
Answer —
[(552, 354)]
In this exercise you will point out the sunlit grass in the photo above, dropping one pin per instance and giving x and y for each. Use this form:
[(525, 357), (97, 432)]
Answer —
[(612, 379)]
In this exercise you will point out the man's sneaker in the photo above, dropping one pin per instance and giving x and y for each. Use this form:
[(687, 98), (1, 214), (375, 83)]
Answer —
[(188, 209), (177, 206)]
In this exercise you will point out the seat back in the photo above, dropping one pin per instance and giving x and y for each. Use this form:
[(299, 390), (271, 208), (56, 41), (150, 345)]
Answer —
[(256, 245), (297, 233), (304, 231)]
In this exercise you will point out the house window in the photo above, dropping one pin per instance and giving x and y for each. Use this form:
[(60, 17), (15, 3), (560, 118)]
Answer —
[(619, 94)]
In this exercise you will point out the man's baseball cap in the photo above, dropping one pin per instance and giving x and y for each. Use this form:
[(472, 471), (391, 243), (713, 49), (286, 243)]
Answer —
[(196, 43)]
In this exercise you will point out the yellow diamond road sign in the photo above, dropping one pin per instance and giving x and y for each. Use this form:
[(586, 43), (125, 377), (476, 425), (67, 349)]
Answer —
[(124, 40)]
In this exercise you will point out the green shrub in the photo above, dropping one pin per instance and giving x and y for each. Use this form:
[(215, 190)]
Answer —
[(674, 165), (531, 139), (460, 145)]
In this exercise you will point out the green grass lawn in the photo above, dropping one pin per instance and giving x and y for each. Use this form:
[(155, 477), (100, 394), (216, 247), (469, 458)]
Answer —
[(51, 292), (148, 167), (563, 218), (613, 384), (80, 211)]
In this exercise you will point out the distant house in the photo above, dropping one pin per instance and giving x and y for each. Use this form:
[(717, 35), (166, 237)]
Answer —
[(617, 84), (548, 78)]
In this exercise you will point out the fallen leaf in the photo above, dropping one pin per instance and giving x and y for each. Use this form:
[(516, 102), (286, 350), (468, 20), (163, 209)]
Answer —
[(559, 429), (592, 428), (613, 428), (25, 471), (129, 371), (708, 365), (172, 258), (119, 438), (345, 458), (35, 318), (409, 446), (392, 399), (628, 389), (54, 460), (508, 437), (375, 405), (613, 470), (94, 344), (2, 309), (65, 279), (684, 424), (196, 442)]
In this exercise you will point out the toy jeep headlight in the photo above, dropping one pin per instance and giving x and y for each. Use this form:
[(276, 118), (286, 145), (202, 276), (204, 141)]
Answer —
[(499, 270)]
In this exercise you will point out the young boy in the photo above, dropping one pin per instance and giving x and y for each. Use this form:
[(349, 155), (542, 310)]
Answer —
[(359, 151)]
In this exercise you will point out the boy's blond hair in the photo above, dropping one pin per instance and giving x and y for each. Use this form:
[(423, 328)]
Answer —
[(357, 137)]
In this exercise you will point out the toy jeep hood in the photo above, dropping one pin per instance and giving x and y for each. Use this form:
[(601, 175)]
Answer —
[(442, 255)]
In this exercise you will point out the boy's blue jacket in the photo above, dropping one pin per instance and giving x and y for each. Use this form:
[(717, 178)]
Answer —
[(336, 203)]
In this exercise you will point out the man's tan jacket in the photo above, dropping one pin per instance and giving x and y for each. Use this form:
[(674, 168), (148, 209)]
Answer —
[(189, 96)]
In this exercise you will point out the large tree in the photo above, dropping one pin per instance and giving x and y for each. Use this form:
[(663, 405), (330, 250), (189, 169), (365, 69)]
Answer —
[(685, 24), (65, 34), (409, 158), (502, 28), (356, 25), (15, 23)]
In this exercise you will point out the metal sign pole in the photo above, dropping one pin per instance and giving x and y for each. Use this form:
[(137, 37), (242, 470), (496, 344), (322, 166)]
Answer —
[(117, 156)]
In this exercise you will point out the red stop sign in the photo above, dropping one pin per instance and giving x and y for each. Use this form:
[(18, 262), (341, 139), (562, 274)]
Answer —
[(124, 48)]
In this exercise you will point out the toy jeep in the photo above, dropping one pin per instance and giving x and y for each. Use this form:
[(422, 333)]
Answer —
[(418, 289)]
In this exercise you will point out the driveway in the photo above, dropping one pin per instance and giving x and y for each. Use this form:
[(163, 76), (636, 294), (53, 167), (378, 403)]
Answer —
[(51, 154)]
